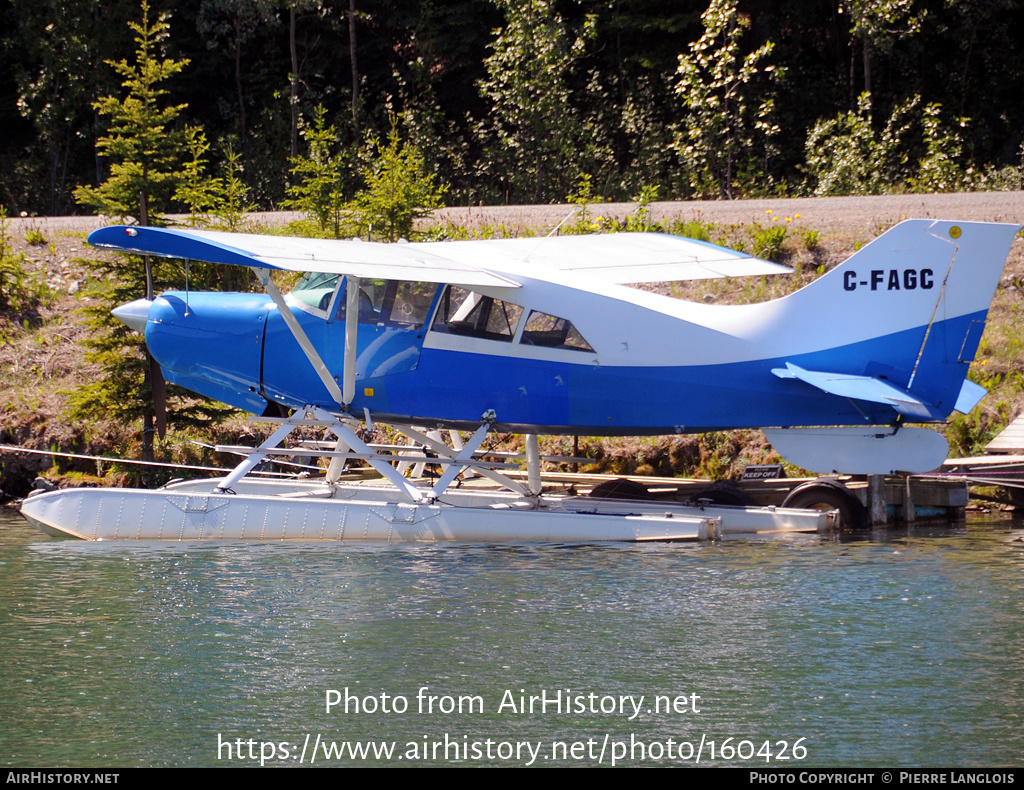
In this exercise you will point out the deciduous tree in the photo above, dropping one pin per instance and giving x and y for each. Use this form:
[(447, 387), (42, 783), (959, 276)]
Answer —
[(723, 122), (877, 24), (533, 125)]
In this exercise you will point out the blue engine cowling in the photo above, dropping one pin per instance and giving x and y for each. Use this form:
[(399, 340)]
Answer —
[(211, 343)]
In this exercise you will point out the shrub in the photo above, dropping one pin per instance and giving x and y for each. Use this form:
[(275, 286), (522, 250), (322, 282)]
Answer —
[(768, 242)]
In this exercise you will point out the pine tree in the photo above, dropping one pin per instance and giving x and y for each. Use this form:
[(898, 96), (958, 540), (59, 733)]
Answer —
[(143, 145), (145, 149), (319, 186), (218, 202), (397, 192)]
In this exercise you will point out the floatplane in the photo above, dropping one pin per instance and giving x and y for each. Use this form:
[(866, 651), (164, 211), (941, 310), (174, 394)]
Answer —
[(542, 336)]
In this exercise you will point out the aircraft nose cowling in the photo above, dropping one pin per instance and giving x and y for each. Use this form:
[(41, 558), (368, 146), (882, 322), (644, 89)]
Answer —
[(211, 343)]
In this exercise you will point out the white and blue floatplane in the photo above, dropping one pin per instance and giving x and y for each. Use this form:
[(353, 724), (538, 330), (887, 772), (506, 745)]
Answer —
[(543, 336)]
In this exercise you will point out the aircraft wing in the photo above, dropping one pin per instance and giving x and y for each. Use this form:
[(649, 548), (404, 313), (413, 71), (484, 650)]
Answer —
[(331, 256), (612, 257)]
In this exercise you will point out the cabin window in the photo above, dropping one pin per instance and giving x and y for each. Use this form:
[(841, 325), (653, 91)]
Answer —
[(550, 332), (411, 304), (463, 312), (371, 296), (315, 289), (391, 303)]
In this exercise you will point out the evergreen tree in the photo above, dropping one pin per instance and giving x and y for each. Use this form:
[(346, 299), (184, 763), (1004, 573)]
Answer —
[(124, 393), (319, 183), (143, 145), (145, 150), (14, 295), (220, 202), (397, 192), (198, 190)]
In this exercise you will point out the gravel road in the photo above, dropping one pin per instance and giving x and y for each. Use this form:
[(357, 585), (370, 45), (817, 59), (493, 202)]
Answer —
[(855, 215), (833, 215)]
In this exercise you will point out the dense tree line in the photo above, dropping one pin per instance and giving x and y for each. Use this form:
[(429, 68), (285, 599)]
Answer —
[(511, 100)]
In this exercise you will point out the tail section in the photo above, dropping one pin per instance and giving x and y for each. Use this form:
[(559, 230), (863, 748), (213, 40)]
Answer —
[(899, 322)]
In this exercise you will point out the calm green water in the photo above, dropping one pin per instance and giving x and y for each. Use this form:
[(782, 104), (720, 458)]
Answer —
[(894, 652)]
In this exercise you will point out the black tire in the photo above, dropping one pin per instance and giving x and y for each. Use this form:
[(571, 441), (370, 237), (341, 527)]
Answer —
[(830, 495), (621, 489), (723, 492)]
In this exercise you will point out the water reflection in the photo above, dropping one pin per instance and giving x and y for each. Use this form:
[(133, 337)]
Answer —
[(901, 649)]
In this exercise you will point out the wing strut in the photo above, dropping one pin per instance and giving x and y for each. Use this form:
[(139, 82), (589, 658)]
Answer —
[(465, 454), (341, 431), (261, 453), (383, 466), (351, 333)]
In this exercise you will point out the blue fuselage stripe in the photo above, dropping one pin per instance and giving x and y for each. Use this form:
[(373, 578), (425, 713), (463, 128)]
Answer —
[(458, 387), (217, 346)]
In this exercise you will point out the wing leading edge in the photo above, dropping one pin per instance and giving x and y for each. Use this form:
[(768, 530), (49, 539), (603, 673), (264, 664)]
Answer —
[(616, 257)]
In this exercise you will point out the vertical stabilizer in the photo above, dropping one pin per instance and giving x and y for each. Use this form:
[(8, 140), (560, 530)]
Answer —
[(906, 311)]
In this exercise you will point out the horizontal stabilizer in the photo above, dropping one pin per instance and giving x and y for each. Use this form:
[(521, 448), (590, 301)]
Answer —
[(970, 395), (860, 451), (875, 390)]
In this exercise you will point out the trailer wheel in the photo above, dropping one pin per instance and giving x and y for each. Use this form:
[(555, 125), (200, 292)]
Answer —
[(621, 489), (830, 495), (724, 492)]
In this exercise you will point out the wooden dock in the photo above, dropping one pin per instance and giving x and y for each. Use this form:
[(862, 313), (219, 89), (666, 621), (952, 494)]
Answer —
[(909, 499)]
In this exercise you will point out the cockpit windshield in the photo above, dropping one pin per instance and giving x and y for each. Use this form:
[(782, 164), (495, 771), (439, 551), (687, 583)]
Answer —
[(398, 303), (316, 289)]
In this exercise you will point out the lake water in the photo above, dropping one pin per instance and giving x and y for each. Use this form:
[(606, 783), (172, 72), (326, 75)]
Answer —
[(903, 650)]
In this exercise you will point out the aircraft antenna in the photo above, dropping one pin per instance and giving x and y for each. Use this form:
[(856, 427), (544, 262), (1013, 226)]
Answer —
[(935, 309), (553, 232), (567, 217)]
